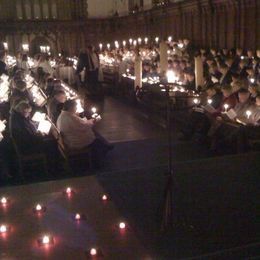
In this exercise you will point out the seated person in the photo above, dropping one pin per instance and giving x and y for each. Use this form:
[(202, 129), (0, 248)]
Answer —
[(199, 122), (55, 105), (78, 132), (254, 90), (232, 136), (21, 93), (244, 102), (22, 128), (229, 98)]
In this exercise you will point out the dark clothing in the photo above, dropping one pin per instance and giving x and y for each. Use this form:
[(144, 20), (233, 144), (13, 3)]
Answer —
[(3, 69), (24, 133), (54, 109), (226, 79), (21, 95)]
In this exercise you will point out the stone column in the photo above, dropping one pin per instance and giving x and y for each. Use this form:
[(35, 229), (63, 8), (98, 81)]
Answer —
[(138, 71), (163, 57), (199, 79)]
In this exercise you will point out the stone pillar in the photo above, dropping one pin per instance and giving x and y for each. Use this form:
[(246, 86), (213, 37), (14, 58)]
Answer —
[(163, 57), (138, 71), (199, 79)]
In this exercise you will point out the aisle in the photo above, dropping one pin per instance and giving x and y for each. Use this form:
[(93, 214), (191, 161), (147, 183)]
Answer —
[(123, 123)]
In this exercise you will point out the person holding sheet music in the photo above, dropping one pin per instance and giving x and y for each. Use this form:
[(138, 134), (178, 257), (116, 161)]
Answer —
[(198, 124)]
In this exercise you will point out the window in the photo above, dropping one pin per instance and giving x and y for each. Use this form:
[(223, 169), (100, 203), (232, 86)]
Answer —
[(28, 9), (45, 9), (54, 9), (19, 11), (37, 9)]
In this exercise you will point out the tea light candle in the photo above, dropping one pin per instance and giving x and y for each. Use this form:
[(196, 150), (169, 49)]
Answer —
[(3, 229), (3, 200), (104, 197), (45, 240), (226, 106), (196, 101), (122, 225), (248, 113)]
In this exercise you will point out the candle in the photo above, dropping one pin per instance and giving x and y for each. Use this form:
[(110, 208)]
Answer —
[(146, 40), (100, 46), (226, 106), (104, 197), (139, 40), (45, 240), (93, 251), (248, 113), (3, 200), (5, 46), (169, 39), (124, 43), (180, 45), (196, 101), (252, 80), (94, 110), (135, 42), (77, 216), (156, 39), (25, 47), (130, 41), (108, 46), (3, 229), (209, 101), (242, 57), (122, 225), (171, 77)]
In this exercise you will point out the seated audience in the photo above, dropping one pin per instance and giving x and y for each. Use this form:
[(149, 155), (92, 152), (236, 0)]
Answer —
[(55, 105), (78, 133)]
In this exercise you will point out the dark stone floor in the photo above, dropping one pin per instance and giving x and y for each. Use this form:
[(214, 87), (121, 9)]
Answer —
[(216, 197)]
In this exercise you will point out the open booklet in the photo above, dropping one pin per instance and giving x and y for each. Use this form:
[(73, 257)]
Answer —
[(231, 114), (209, 108)]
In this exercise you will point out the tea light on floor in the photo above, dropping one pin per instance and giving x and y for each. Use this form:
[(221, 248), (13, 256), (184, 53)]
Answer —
[(4, 201), (122, 225), (79, 216), (4, 229), (39, 208), (68, 191), (94, 253), (45, 240), (104, 197)]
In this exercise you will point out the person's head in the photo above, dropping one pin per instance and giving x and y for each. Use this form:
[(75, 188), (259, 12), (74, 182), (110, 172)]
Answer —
[(223, 68), (239, 51), (237, 85), (24, 57), (23, 108), (60, 96), (257, 100), (253, 89), (70, 106), (90, 48), (250, 53), (226, 90), (229, 62), (211, 91), (20, 85), (243, 95)]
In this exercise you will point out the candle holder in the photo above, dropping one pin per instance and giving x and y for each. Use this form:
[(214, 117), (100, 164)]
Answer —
[(39, 209), (4, 229), (45, 240), (69, 191), (79, 217), (94, 253)]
